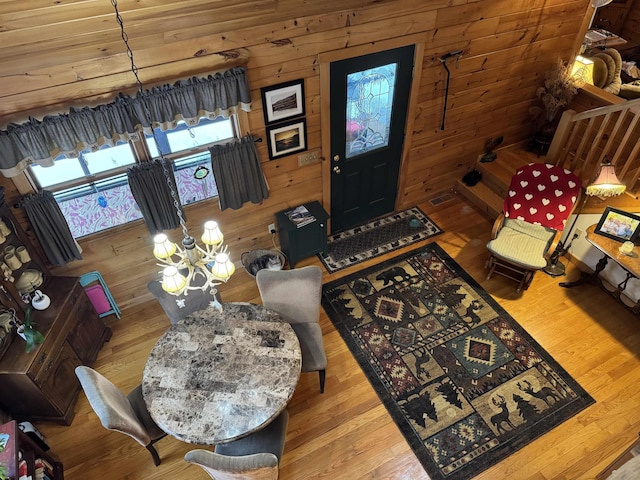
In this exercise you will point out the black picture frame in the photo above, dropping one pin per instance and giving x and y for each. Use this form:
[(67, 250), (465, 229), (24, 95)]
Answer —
[(283, 101), (287, 138), (618, 225)]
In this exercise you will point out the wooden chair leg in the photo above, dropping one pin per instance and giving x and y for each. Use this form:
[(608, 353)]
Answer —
[(154, 454), (322, 374)]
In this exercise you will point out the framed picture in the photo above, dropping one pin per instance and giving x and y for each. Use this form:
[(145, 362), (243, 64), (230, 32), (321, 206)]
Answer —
[(288, 138), (618, 225), (282, 101)]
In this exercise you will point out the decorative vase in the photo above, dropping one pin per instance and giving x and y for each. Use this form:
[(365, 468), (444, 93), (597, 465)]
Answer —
[(40, 301)]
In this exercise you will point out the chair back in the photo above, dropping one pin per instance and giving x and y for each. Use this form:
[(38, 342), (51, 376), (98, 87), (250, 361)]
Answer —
[(194, 301), (111, 405), (258, 466), (542, 194), (295, 294)]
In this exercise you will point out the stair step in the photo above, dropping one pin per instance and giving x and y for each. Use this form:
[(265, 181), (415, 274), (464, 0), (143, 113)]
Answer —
[(483, 197), (488, 194)]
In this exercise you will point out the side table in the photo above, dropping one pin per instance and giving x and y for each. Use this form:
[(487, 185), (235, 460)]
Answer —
[(302, 242)]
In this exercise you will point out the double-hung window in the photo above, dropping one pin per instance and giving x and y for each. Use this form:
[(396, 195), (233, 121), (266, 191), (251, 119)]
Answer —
[(92, 188)]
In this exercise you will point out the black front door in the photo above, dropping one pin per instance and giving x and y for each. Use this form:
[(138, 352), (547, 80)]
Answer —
[(369, 100)]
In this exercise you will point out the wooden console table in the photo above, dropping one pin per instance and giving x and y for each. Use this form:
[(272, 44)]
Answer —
[(610, 250)]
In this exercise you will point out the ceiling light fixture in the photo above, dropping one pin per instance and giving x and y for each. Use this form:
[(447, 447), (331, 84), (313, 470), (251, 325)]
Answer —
[(190, 267)]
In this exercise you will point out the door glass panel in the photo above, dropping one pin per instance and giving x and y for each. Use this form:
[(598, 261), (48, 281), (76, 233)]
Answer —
[(369, 105)]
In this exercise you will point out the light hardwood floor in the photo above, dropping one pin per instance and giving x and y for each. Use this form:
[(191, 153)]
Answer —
[(346, 433)]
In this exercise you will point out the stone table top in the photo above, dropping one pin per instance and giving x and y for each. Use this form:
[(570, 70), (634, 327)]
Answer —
[(215, 377)]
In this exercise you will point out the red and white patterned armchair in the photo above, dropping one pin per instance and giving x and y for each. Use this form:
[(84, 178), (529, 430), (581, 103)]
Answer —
[(540, 199)]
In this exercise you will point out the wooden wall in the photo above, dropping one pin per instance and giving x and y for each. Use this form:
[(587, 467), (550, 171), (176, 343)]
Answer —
[(70, 53), (631, 27)]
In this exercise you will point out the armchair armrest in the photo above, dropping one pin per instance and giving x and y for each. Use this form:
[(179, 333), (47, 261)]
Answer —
[(497, 226)]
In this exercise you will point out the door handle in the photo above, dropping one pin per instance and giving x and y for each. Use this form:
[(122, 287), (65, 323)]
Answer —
[(336, 170)]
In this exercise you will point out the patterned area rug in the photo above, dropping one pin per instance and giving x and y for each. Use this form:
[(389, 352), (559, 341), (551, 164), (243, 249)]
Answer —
[(466, 384), (375, 238)]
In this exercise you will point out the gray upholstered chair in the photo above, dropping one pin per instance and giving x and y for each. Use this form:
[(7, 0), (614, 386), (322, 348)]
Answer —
[(296, 295), (194, 301), (118, 412), (256, 456)]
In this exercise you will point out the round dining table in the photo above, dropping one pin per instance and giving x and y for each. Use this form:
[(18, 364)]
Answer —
[(219, 375)]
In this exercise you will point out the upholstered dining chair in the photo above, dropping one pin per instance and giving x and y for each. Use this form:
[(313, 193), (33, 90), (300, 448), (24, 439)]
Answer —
[(118, 412), (296, 295), (256, 456), (540, 199), (177, 308)]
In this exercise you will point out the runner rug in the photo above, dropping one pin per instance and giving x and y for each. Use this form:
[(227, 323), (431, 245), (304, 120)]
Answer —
[(376, 238), (466, 384)]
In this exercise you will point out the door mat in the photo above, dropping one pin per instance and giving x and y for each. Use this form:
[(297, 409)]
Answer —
[(464, 382), (376, 238)]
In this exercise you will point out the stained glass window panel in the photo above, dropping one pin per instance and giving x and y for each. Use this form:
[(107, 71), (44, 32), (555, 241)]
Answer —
[(369, 105)]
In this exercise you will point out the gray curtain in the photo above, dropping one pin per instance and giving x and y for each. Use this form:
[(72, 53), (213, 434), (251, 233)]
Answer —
[(50, 227), (238, 173), (42, 141), (151, 192)]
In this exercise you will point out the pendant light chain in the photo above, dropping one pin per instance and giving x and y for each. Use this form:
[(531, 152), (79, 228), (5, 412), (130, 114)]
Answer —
[(147, 112)]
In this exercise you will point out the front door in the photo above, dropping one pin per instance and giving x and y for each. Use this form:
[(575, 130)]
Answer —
[(369, 100)]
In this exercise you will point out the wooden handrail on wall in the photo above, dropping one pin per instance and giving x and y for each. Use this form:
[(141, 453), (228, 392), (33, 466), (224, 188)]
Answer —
[(583, 140)]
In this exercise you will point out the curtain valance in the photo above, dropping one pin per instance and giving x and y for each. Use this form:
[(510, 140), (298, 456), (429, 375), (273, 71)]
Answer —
[(43, 140)]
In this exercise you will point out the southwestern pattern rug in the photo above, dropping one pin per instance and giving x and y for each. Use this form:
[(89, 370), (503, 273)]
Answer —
[(466, 384), (376, 238)]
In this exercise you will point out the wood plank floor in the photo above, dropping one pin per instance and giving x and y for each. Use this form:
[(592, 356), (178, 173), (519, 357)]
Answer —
[(346, 433)]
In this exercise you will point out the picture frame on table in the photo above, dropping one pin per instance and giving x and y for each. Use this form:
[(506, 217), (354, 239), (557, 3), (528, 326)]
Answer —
[(287, 138), (283, 101), (618, 225)]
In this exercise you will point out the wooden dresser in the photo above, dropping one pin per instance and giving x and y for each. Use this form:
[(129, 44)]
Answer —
[(41, 384)]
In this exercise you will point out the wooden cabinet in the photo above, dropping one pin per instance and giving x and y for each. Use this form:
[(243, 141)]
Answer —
[(19, 447), (41, 384), (22, 269), (302, 242)]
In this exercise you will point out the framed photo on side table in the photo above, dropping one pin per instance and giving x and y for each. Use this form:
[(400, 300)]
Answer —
[(282, 101), (618, 225), (286, 139)]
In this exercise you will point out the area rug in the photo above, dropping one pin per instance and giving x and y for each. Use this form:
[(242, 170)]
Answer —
[(376, 238), (466, 384)]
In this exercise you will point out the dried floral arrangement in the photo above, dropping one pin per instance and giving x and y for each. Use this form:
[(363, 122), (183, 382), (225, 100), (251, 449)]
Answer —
[(558, 91)]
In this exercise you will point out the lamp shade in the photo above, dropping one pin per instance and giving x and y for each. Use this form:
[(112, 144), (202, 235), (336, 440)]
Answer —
[(582, 70), (606, 183), (172, 280), (212, 234), (163, 247), (223, 267), (600, 3)]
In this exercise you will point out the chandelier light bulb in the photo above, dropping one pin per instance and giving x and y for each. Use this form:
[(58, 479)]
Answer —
[(223, 267), (212, 234), (163, 247), (172, 280)]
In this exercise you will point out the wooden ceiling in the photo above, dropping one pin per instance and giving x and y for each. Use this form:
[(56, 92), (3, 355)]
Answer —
[(55, 51)]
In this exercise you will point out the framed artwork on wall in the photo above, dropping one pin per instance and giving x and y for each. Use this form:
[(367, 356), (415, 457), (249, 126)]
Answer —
[(618, 225), (283, 101), (285, 139)]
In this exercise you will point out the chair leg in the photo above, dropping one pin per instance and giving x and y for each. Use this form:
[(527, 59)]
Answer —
[(322, 374), (154, 454)]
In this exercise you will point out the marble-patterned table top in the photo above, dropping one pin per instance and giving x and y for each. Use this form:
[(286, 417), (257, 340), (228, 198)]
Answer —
[(216, 376)]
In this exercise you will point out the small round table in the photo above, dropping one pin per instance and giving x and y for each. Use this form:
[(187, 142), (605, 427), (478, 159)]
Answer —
[(217, 376)]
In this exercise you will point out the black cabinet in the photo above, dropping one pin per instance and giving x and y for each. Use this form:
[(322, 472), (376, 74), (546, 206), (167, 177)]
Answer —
[(302, 242)]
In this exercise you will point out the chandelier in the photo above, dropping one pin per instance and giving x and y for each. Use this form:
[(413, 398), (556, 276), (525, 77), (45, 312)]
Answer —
[(190, 267)]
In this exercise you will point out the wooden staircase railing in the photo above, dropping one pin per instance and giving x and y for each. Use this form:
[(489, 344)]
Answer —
[(583, 141)]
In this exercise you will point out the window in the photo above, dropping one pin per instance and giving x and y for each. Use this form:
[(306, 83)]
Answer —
[(92, 188)]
